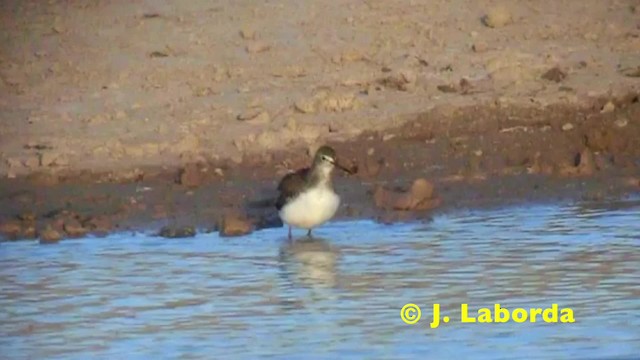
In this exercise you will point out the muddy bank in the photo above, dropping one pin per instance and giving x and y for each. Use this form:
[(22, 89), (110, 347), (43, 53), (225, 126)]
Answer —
[(473, 157)]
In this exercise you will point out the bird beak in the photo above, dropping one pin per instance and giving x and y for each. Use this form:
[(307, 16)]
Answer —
[(343, 168)]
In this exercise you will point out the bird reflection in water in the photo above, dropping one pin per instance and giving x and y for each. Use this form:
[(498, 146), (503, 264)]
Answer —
[(310, 262)]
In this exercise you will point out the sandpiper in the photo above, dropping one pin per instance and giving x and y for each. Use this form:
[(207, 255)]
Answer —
[(307, 199)]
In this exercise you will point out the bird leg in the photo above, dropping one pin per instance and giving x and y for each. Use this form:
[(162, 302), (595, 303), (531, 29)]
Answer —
[(309, 233), (290, 233)]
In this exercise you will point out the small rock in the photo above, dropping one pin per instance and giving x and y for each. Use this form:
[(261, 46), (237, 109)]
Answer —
[(255, 117), (421, 190), (402, 80), (408, 76), (447, 88), (633, 72), (497, 17), (58, 29), (419, 197), (608, 107), (567, 127), (158, 54), (621, 122), (480, 47), (257, 47), (74, 229), (11, 229), (190, 176), (306, 106), (248, 34), (100, 224), (234, 225), (177, 232), (204, 91), (50, 236), (554, 74)]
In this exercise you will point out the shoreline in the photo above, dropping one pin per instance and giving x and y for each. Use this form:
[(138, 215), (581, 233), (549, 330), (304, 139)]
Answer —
[(477, 156)]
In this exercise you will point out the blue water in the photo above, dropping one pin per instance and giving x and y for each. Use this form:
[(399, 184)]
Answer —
[(338, 296)]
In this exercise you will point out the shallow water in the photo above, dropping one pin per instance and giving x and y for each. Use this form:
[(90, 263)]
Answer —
[(338, 296)]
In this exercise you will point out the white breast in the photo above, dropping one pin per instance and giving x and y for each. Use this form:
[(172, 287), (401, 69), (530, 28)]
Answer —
[(311, 208)]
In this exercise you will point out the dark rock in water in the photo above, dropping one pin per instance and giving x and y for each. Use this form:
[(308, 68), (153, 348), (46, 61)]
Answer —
[(235, 225), (73, 228), (50, 236), (177, 232), (100, 224), (419, 197)]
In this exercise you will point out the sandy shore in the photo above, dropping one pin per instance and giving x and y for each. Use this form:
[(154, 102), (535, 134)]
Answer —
[(148, 114)]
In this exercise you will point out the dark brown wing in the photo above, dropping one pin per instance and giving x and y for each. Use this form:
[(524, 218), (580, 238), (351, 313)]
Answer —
[(291, 185)]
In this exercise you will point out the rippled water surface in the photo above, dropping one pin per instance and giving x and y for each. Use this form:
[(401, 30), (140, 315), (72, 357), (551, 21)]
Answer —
[(338, 296)]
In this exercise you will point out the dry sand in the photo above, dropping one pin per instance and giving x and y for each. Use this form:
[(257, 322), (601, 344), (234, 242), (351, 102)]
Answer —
[(120, 84)]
